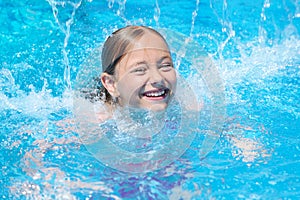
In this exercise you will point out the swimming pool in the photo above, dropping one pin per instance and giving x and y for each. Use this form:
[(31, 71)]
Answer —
[(255, 47)]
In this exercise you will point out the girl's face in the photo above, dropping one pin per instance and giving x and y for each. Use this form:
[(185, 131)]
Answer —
[(145, 76)]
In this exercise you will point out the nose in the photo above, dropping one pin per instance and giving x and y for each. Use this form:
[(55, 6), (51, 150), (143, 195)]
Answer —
[(155, 77)]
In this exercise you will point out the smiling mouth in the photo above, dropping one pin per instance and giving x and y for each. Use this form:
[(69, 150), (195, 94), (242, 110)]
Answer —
[(156, 94)]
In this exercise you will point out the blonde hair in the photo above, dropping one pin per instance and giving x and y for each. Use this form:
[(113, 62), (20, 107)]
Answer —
[(116, 46)]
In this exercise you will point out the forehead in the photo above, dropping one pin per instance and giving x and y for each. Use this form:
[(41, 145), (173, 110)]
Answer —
[(150, 45), (150, 41), (145, 54)]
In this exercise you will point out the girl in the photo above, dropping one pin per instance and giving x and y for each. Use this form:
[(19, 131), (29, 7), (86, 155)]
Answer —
[(137, 70)]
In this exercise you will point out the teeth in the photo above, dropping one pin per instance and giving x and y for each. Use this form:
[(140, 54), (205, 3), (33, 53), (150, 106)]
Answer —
[(155, 94)]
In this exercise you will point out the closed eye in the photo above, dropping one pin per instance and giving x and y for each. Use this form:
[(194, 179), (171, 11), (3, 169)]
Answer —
[(166, 66), (139, 70)]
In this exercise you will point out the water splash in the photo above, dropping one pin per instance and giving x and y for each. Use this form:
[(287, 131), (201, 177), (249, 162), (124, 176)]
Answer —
[(194, 15), (226, 24), (262, 32), (183, 49), (257, 63), (121, 9), (297, 12), (156, 13), (64, 12)]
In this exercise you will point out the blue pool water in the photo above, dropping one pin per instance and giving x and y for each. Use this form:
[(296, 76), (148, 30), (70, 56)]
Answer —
[(255, 47)]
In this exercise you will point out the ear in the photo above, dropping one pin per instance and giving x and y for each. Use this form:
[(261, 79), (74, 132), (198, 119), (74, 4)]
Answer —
[(108, 81)]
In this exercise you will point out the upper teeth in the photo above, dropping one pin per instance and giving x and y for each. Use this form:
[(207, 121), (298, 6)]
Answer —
[(156, 94)]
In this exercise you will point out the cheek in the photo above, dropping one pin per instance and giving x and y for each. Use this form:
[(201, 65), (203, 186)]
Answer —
[(172, 78), (129, 85)]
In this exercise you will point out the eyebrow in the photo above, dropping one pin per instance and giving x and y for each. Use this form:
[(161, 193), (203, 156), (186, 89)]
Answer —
[(145, 62), (137, 64), (163, 58)]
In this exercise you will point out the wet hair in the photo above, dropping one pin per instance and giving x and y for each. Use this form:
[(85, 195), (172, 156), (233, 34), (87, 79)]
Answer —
[(115, 47)]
